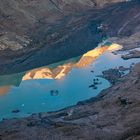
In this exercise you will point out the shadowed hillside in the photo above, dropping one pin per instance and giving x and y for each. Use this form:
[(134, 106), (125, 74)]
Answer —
[(35, 33)]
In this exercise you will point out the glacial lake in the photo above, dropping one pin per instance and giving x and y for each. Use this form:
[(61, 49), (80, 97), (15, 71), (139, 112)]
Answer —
[(57, 86)]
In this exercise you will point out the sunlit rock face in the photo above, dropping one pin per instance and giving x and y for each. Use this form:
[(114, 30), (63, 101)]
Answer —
[(61, 70)]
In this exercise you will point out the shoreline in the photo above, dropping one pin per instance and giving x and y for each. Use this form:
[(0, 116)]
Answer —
[(74, 116), (108, 74), (87, 113)]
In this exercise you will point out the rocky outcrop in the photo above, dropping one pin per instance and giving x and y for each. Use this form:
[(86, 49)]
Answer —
[(132, 54), (34, 34)]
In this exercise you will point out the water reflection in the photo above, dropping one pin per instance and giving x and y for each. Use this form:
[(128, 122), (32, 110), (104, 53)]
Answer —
[(59, 85), (4, 90), (54, 71), (61, 70), (7, 81)]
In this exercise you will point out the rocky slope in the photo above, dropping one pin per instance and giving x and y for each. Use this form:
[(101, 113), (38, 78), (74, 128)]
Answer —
[(30, 37), (34, 33)]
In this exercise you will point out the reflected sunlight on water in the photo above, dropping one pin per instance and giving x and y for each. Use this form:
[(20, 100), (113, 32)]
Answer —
[(58, 85), (61, 70), (4, 90)]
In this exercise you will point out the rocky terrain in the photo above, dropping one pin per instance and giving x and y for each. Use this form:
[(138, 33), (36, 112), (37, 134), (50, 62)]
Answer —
[(34, 33), (114, 74), (132, 54)]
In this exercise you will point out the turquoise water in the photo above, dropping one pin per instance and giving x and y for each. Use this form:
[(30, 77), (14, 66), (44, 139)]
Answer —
[(33, 96)]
